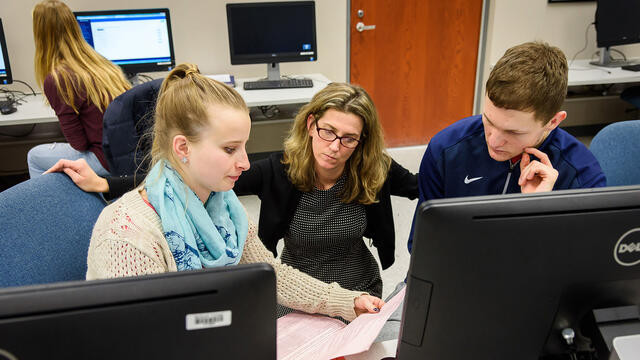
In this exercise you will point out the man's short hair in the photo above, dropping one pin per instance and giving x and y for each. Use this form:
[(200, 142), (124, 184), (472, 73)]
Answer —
[(530, 77)]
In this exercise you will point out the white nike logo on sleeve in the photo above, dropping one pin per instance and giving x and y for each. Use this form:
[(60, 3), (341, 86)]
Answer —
[(468, 181)]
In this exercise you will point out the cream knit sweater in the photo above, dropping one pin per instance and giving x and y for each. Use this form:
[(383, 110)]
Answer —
[(128, 240)]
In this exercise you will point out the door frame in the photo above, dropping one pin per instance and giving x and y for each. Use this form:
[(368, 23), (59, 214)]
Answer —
[(480, 61)]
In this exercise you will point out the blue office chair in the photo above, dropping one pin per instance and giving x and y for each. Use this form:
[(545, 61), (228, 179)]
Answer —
[(616, 148), (45, 228)]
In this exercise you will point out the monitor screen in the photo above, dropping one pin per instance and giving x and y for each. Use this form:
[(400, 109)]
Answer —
[(5, 67), (272, 32), (500, 277), (136, 40), (617, 22), (221, 313)]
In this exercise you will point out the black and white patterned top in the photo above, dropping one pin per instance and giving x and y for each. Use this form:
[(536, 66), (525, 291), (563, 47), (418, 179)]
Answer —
[(325, 241)]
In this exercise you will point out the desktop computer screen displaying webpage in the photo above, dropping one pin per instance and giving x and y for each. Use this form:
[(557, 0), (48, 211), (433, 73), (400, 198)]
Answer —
[(128, 38)]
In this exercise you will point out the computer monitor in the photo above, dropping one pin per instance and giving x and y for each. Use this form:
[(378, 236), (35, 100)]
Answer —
[(271, 33), (5, 67), (221, 313), (500, 277), (616, 24), (136, 40)]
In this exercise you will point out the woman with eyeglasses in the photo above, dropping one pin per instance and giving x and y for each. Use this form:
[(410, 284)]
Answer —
[(331, 187)]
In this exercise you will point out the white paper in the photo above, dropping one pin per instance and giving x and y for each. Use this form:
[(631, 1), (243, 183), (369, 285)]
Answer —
[(311, 337), (225, 78)]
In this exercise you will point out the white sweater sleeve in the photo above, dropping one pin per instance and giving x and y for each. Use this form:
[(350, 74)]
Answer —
[(298, 290)]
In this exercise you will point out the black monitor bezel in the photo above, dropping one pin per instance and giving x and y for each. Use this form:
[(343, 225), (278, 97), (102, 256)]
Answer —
[(608, 42), (429, 254), (8, 77), (274, 58), (132, 69), (96, 313)]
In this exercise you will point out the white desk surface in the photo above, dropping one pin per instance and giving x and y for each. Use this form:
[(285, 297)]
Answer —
[(583, 73), (34, 110)]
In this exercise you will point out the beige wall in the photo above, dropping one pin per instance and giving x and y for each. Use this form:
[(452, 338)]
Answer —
[(199, 36), (562, 24), (200, 33)]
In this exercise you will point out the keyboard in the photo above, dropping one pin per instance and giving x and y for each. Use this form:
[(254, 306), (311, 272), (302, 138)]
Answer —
[(278, 84), (635, 67)]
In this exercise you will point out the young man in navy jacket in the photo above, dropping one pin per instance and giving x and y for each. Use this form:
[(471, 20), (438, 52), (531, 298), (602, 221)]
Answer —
[(515, 145)]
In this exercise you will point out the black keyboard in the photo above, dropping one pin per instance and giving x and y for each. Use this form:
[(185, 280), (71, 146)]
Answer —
[(278, 84), (635, 67)]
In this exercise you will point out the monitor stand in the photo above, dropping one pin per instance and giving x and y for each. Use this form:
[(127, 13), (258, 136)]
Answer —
[(273, 71), (605, 59)]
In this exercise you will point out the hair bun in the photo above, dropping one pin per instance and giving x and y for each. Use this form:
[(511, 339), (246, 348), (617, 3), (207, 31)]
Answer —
[(181, 71)]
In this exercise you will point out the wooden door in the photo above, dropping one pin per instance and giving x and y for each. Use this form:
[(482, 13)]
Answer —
[(418, 64)]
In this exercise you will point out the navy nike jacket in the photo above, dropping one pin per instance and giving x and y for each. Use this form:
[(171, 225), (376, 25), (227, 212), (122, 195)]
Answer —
[(457, 163)]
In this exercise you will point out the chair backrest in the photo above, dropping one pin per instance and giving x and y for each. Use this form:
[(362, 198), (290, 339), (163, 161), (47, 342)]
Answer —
[(127, 118), (46, 225), (616, 148)]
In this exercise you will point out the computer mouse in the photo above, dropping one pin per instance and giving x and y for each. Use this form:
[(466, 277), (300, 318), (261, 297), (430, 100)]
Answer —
[(7, 109)]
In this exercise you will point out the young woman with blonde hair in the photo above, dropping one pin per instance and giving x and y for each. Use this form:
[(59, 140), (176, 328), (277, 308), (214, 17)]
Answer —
[(330, 187), (79, 84), (185, 214)]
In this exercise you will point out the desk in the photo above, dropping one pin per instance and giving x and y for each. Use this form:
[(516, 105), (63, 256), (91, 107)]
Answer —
[(32, 111), (590, 101), (35, 111), (267, 133), (255, 98), (583, 73)]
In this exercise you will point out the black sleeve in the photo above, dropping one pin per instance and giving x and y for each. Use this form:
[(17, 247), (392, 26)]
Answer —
[(403, 182), (118, 185), (251, 182)]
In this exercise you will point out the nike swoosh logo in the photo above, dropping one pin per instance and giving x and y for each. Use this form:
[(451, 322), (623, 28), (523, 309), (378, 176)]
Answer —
[(468, 181)]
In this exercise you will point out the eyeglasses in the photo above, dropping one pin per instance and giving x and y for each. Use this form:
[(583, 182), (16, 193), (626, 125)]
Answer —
[(329, 135)]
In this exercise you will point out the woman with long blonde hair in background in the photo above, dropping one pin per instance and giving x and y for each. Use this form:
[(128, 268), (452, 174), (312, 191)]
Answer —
[(79, 84)]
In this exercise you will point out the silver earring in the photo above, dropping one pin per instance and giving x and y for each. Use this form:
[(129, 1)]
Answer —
[(184, 160)]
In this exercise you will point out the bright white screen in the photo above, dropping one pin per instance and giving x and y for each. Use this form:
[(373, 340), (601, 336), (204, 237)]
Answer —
[(131, 39)]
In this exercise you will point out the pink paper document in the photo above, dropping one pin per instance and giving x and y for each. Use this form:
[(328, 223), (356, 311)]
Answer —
[(317, 337)]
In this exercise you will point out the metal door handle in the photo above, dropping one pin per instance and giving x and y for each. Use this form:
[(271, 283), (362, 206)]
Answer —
[(362, 27)]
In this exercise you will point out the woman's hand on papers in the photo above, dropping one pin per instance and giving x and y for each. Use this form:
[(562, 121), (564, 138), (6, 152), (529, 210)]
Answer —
[(367, 304), (81, 174)]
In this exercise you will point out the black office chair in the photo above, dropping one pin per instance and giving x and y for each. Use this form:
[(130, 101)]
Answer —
[(125, 122)]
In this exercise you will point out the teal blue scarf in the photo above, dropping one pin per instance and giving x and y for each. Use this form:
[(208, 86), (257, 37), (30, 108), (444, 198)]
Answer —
[(199, 235)]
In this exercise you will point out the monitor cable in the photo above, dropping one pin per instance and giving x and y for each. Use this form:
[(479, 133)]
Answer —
[(29, 86), (586, 43)]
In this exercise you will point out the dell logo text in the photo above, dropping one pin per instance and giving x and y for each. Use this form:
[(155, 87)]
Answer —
[(627, 249)]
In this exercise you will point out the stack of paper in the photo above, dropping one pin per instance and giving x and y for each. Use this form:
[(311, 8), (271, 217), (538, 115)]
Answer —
[(310, 337)]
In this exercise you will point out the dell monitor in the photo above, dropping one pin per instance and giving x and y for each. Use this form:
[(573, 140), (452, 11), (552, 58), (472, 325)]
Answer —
[(221, 313), (136, 40), (271, 33), (616, 24), (509, 276), (5, 67)]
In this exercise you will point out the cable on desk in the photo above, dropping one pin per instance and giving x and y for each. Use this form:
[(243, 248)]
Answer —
[(29, 86), (270, 111)]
